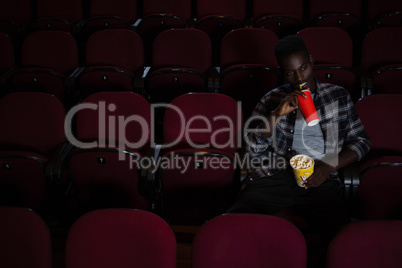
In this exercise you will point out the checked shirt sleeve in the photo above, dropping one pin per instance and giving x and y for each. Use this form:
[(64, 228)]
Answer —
[(357, 138)]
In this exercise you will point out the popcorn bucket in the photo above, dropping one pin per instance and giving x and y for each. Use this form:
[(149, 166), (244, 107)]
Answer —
[(303, 167)]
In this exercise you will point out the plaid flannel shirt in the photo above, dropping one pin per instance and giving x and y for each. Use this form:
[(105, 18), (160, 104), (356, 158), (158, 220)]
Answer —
[(339, 122)]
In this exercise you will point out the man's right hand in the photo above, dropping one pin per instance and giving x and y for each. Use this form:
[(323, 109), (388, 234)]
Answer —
[(289, 103)]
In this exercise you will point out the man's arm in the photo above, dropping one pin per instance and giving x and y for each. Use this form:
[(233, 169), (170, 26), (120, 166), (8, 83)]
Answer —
[(259, 140), (322, 170)]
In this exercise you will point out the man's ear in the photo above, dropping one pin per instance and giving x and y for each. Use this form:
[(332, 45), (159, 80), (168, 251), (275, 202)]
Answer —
[(311, 60)]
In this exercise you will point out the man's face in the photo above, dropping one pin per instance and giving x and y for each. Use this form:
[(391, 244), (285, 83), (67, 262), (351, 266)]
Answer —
[(297, 69)]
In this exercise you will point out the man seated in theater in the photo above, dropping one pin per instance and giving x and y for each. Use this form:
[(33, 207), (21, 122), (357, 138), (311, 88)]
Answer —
[(337, 141)]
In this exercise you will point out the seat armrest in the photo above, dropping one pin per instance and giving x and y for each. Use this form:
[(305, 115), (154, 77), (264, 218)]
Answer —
[(213, 79), (139, 81), (5, 82), (70, 84), (54, 167), (351, 181), (366, 84), (135, 25)]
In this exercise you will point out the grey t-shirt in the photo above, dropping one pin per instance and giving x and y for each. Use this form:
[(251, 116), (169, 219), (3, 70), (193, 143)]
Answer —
[(308, 140)]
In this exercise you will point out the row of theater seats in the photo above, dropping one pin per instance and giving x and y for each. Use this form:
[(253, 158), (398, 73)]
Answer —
[(182, 61), (155, 15), (103, 149), (103, 153), (136, 238)]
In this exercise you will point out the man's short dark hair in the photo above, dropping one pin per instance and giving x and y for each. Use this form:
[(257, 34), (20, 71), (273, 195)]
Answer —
[(289, 45)]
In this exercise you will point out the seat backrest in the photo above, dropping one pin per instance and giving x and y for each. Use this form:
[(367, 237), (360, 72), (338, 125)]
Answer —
[(69, 10), (120, 238), (203, 120), (248, 46), (186, 48), (24, 239), (56, 50), (18, 11), (6, 53), (379, 114), (117, 47), (380, 47), (231, 8), (115, 119), (376, 9), (321, 7), (293, 8), (126, 9), (328, 45), (248, 240), (32, 121), (179, 8), (378, 193), (367, 244)]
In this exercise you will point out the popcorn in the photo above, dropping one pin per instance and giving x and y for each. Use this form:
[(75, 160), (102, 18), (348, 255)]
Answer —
[(301, 162), (303, 167)]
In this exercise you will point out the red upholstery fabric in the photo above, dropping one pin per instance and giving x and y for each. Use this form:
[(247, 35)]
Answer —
[(378, 114), (182, 48), (248, 240), (6, 53), (248, 46), (379, 191), (328, 45), (181, 59), (203, 131), (118, 47), (58, 15), (25, 239), (367, 244), (381, 47), (125, 9), (32, 126), (120, 238), (384, 13), (106, 173)]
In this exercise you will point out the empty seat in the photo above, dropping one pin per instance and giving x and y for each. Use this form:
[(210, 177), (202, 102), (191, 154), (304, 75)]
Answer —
[(25, 239), (367, 244), (14, 17), (382, 60), (201, 130), (384, 13), (32, 136), (248, 240), (384, 131), (378, 194), (343, 14), (380, 171), (332, 51), (58, 15), (217, 18), (114, 60), (120, 238), (248, 66), (48, 58), (161, 15), (112, 136), (281, 17), (181, 63), (110, 14), (6, 54)]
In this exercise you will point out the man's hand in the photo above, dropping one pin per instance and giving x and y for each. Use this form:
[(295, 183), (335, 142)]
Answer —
[(320, 174), (289, 103)]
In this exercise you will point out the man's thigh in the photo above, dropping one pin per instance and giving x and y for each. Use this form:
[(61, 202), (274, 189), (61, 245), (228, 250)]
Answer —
[(268, 195)]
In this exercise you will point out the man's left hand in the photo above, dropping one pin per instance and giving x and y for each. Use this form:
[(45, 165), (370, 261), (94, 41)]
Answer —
[(320, 174)]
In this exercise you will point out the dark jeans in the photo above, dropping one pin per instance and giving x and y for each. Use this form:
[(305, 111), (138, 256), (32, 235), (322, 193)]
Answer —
[(322, 207)]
